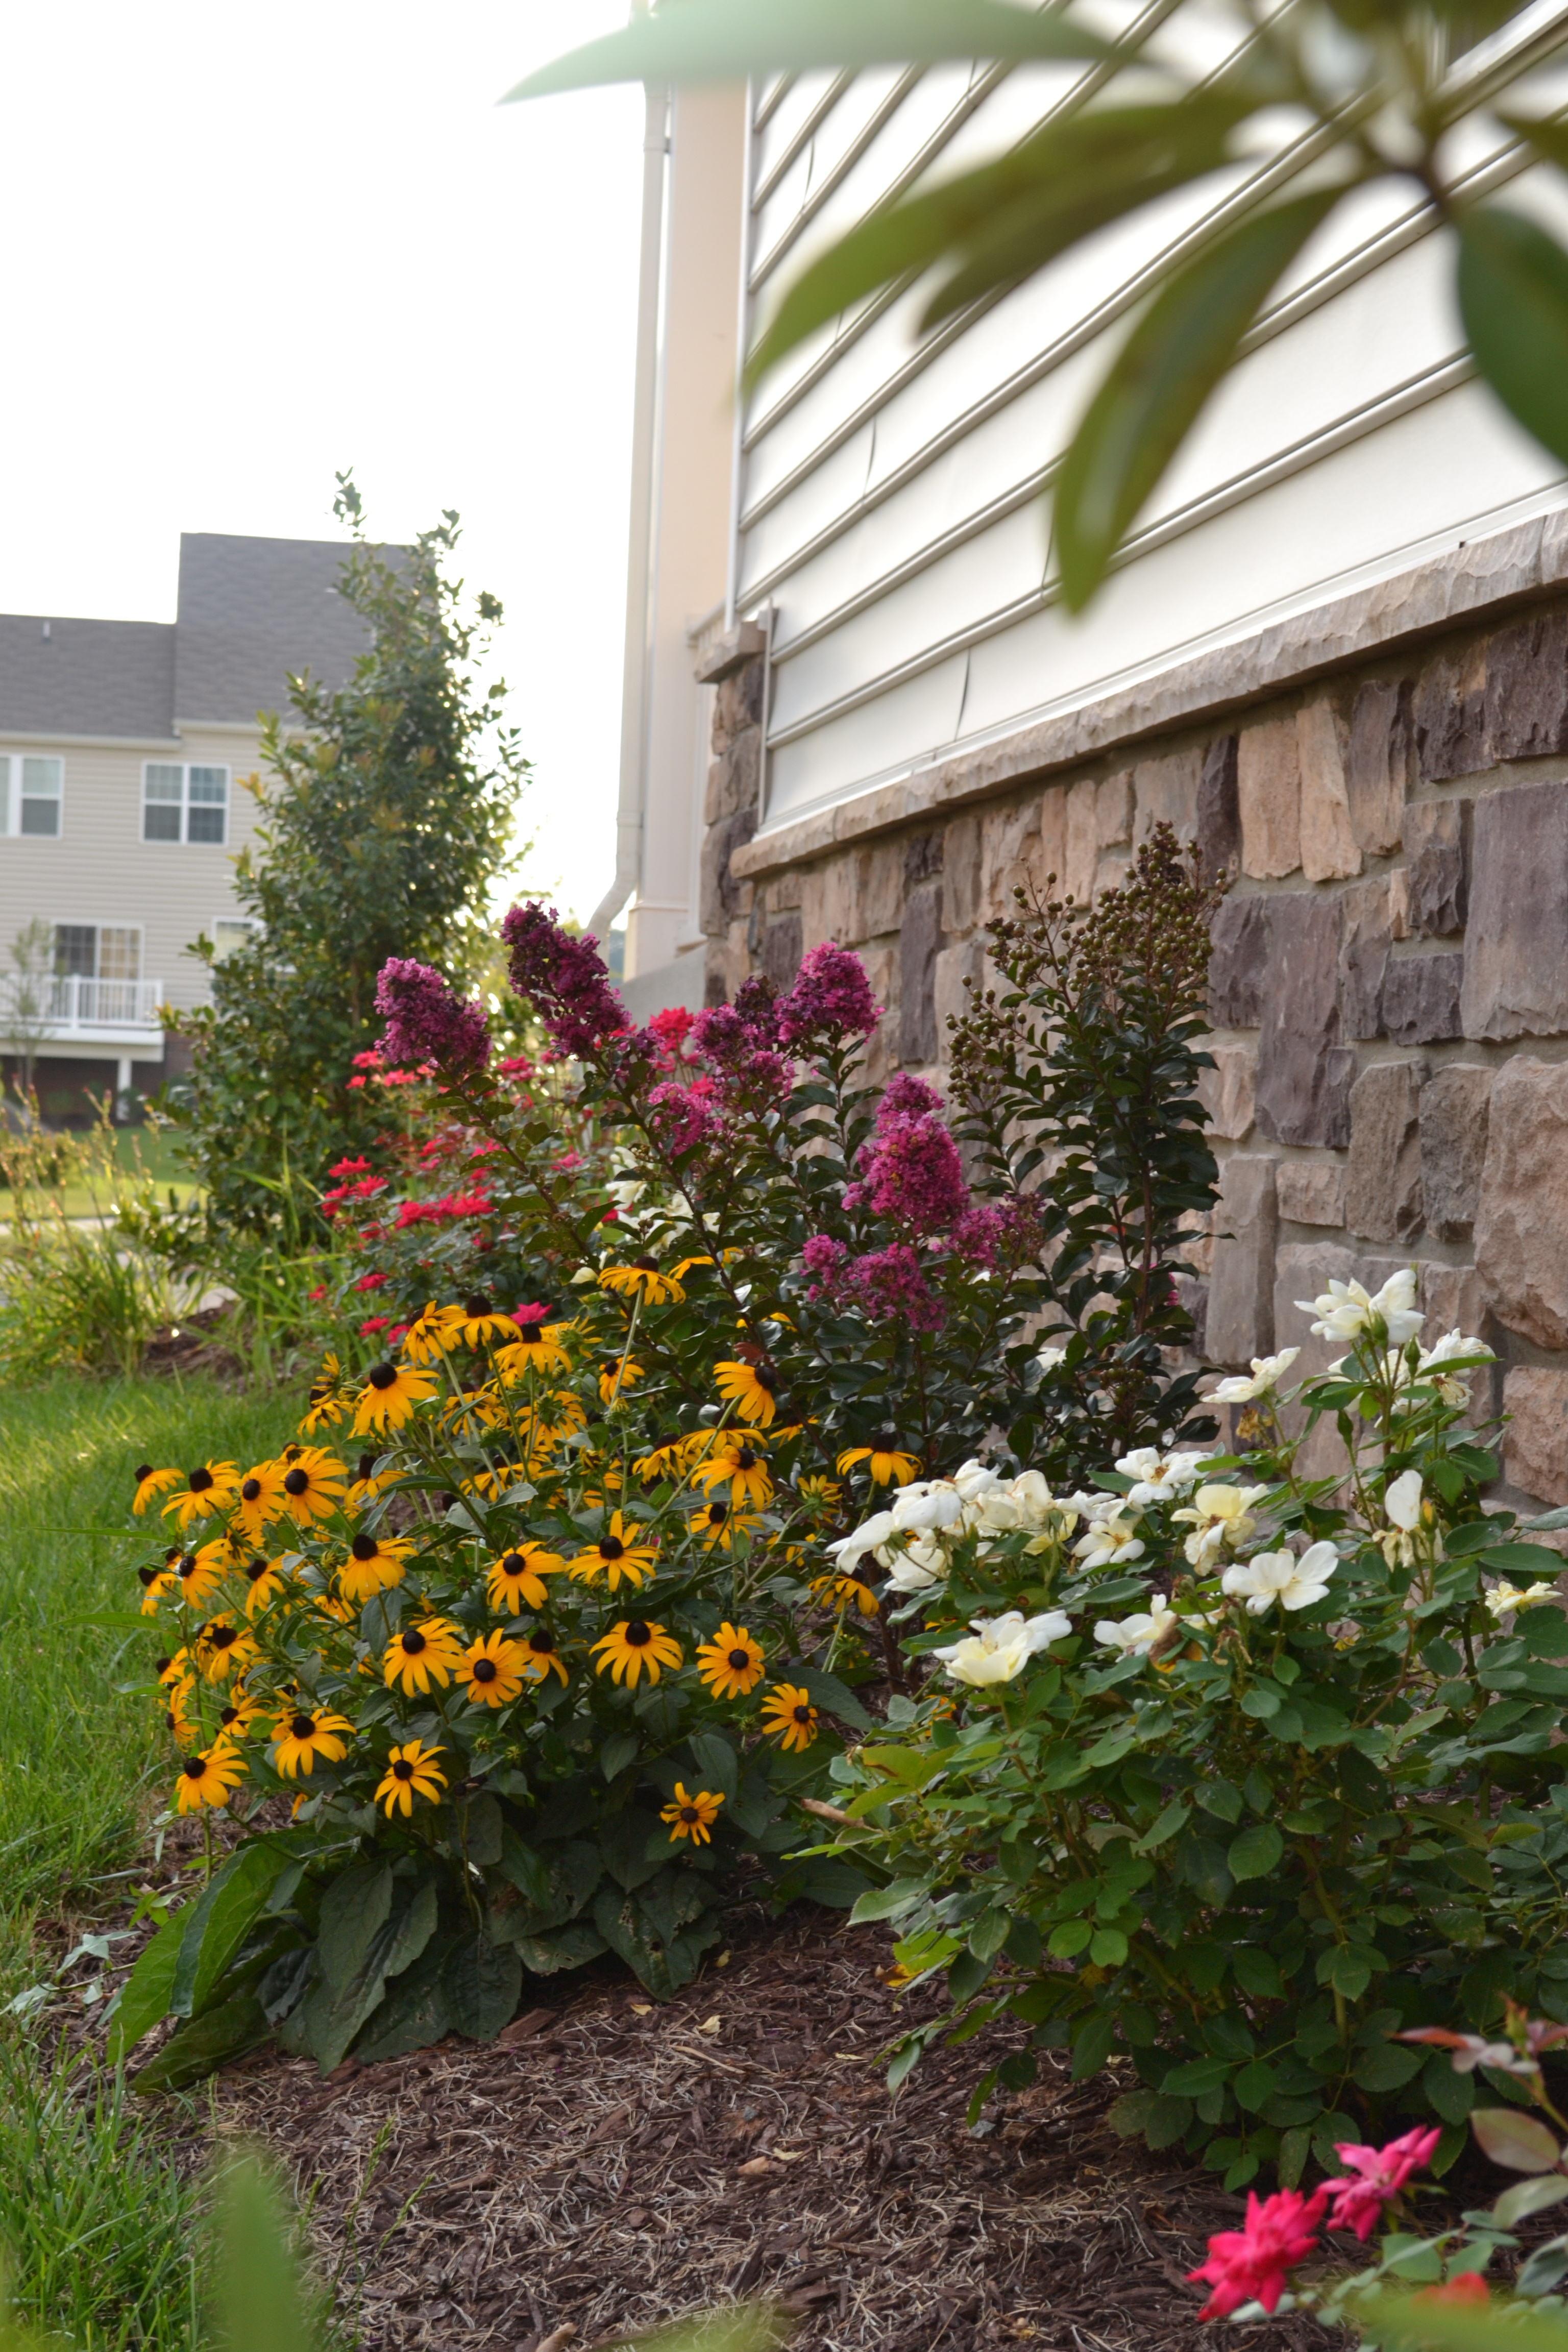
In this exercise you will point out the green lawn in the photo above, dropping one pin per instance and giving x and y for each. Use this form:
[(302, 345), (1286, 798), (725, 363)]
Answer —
[(81, 1755), (138, 1152)]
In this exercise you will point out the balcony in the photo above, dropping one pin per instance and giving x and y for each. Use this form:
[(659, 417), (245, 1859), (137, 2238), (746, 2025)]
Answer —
[(111, 1013)]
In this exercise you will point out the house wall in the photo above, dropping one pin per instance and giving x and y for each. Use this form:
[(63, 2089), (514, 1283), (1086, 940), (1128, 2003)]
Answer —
[(1386, 790)]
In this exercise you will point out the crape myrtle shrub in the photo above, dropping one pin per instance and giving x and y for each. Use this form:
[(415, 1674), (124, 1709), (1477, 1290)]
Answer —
[(1250, 1773), (537, 1625), (387, 811)]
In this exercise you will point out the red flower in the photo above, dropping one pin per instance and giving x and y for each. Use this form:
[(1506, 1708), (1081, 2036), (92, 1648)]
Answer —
[(1251, 2264), (377, 1323), (1375, 2178), (1465, 2286), (319, 1292), (357, 1082), (350, 1168), (370, 1282)]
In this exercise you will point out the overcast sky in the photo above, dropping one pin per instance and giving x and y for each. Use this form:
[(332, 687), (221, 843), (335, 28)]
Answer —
[(249, 248)]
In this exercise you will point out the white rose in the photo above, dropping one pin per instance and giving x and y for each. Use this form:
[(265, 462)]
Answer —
[(1136, 1635), (999, 1648), (1265, 1374), (1271, 1575)]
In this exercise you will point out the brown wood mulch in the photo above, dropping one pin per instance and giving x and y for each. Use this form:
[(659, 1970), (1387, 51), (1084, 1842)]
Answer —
[(613, 2163)]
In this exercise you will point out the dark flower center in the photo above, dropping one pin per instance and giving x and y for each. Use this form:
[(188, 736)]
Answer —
[(739, 1661), (382, 1376), (162, 1666), (317, 1392), (366, 1465), (230, 1715), (767, 1378), (364, 1547), (639, 1635), (148, 1575), (142, 1470), (250, 1490), (718, 1513), (514, 1564), (195, 1768), (746, 1459), (413, 1643), (541, 1643), (256, 1570), (645, 1265), (688, 1813), (611, 1547), (478, 1305), (297, 1482), (403, 1770), (531, 1333), (188, 1564), (224, 1637), (303, 1727), (485, 1670), (200, 1481), (801, 1714)]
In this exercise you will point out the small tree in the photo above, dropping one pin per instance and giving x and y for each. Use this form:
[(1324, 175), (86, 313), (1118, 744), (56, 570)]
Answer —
[(24, 999), (385, 816)]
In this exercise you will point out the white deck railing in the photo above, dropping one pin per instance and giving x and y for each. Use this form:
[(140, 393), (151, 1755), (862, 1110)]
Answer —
[(71, 1006)]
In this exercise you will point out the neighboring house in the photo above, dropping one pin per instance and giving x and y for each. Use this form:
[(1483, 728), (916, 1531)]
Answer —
[(1335, 652), (122, 749)]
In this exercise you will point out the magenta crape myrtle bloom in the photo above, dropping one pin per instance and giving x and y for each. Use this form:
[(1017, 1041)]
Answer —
[(426, 1021), (565, 979)]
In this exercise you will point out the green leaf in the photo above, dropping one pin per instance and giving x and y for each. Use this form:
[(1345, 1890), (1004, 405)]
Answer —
[(1173, 1818), (617, 1752), (1254, 2085), (1255, 1852), (1157, 2117), (1450, 2095), (482, 1986), (887, 1902), (1071, 1938), (1513, 299), (143, 1999), (1519, 1558), (1107, 1947), (353, 1909), (988, 1935), (1519, 2142), (827, 1691), (1159, 381), (219, 1921), (1528, 2197), (1198, 2075), (735, 40), (1091, 2045), (202, 2046)]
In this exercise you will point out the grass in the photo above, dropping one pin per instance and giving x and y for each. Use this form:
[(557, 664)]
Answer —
[(81, 1746), (135, 1152)]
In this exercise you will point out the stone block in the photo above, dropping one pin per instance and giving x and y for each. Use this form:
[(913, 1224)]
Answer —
[(1269, 794), (1009, 855), (882, 1054), (1527, 688), (1219, 812), (961, 874), (1454, 1118), (1382, 1176), (784, 890), (1303, 1073), (728, 963), (920, 942), (1449, 715), (1240, 1322), (1366, 930), (1421, 999), (737, 702), (1329, 851), (1239, 962), (1082, 855), (1516, 972), (1229, 1092), (780, 951), (1378, 763), (1522, 1214), (1113, 810), (1452, 1299), (877, 891), (1311, 1191), (1302, 1270), (952, 998), (1165, 792), (722, 656), (1051, 854), (923, 857), (732, 778), (720, 901), (1437, 848), (1111, 872), (824, 891), (1535, 1436)]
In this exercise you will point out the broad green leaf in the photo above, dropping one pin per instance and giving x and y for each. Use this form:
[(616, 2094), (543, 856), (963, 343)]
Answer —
[(887, 1902), (203, 2045), (1159, 2118), (1107, 1947), (1159, 382), (1513, 299), (1198, 2075), (1172, 1819), (988, 1935), (353, 1910), (143, 2001), (1071, 1938), (997, 225), (1528, 2197), (1520, 2142), (733, 40), (834, 1697), (482, 1987), (1255, 1852), (223, 1916)]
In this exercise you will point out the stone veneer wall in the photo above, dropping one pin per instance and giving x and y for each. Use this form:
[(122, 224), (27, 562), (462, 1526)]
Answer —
[(1389, 986)]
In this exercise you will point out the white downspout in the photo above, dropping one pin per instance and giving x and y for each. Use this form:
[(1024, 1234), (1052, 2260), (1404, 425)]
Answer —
[(640, 552)]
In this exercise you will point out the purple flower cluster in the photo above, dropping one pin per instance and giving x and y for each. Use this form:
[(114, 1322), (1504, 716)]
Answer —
[(738, 1041), (565, 979), (831, 1000), (1005, 1234), (910, 1171), (683, 1116), (884, 1284), (425, 1022)]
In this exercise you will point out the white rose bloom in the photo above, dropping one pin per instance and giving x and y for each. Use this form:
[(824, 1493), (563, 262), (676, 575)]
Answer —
[(974, 1478), (1345, 1308), (1266, 1372), (1506, 1597), (1396, 1302), (1160, 1476), (1135, 1635), (1402, 1501), (1280, 1576), (999, 1648), (1221, 1519), (1049, 1357), (1111, 1541), (927, 1503), (850, 1550), (1032, 1499), (1453, 1390), (922, 1563)]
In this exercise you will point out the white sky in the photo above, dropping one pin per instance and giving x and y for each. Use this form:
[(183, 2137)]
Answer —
[(251, 246)]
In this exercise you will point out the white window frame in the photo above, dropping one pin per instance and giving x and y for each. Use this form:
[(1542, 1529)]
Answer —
[(250, 924), (186, 768), (97, 926), (12, 794)]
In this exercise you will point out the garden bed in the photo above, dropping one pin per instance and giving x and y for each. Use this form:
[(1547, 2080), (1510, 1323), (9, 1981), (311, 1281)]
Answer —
[(611, 2162)]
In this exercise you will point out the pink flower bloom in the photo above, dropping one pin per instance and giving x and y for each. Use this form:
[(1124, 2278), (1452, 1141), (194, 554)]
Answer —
[(355, 1082), (672, 1027), (377, 1323), (1374, 2177), (350, 1168), (370, 1282), (681, 1117), (911, 1170), (319, 1292), (831, 999), (1251, 2264), (425, 1021), (535, 1312), (823, 1258), (565, 979)]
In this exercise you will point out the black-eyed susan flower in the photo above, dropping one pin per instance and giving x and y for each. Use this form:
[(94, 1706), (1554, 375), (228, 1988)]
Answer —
[(836, 1591), (411, 1771), (326, 1403), (422, 1653), (535, 1348), (208, 1777), (375, 1564), (200, 1573), (541, 1657), (260, 1496), (389, 1397), (211, 1487), (885, 1464), (662, 1459), (789, 1717), (679, 1271), (634, 1647), (154, 1583), (368, 1483), (692, 1816), (238, 1712), (749, 1388), (178, 1720), (717, 1523), (492, 1672), (307, 1732), (731, 1664), (618, 1557), (313, 1483), (433, 1334), (642, 1279), (738, 1458), (151, 1483), (224, 1649), (480, 1324), (616, 1375), (519, 1576), (265, 1579), (176, 1672), (821, 1496)]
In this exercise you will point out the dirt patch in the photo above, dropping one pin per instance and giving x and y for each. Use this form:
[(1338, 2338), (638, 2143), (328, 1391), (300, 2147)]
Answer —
[(612, 2163)]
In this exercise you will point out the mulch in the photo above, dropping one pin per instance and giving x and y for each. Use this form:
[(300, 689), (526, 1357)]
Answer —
[(613, 2163)]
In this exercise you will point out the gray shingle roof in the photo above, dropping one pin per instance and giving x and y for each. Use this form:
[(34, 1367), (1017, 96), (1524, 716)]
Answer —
[(250, 610)]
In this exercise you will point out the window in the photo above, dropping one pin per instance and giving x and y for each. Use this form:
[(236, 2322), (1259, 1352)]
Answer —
[(184, 803), (31, 790), (231, 932), (98, 951)]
